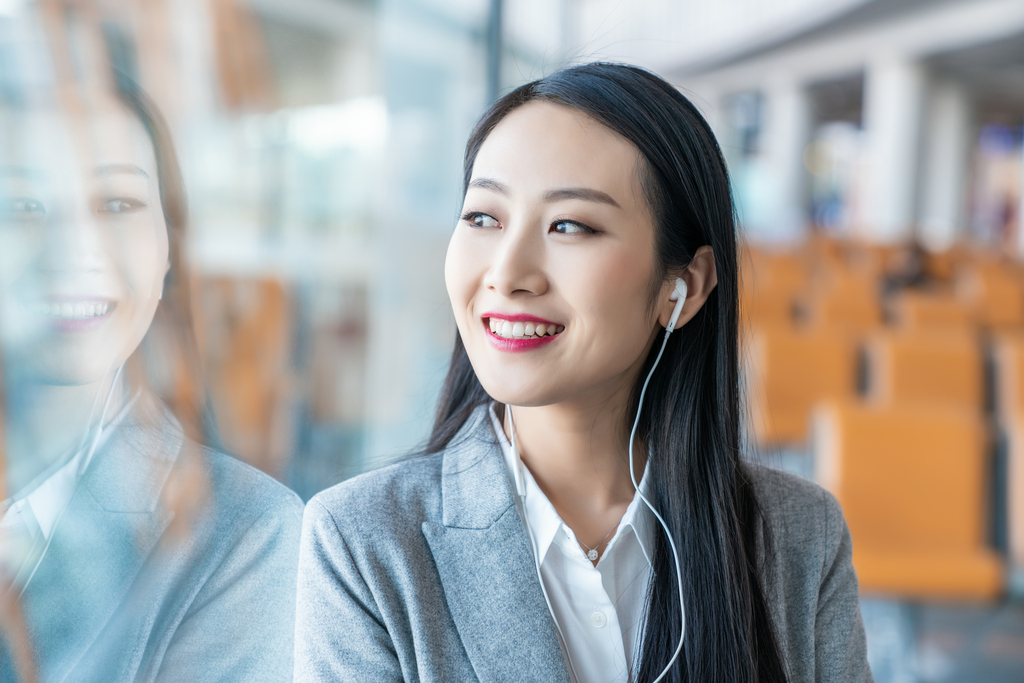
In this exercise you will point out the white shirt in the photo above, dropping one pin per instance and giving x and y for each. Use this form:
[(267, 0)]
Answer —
[(599, 610)]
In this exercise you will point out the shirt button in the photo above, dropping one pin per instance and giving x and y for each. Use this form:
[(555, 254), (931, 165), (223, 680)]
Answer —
[(598, 619)]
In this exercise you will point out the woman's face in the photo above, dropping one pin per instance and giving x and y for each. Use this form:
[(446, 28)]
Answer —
[(83, 241), (551, 267)]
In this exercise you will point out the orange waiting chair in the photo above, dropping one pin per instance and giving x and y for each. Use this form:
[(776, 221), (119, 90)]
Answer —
[(1014, 429), (1008, 361), (787, 371), (1008, 357), (769, 285), (912, 483), (246, 342), (994, 292), (929, 367), (917, 310), (845, 300)]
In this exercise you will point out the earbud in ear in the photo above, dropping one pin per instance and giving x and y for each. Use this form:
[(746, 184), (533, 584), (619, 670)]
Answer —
[(679, 296)]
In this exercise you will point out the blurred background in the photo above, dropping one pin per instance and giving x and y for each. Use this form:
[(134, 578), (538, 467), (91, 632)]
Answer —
[(876, 154)]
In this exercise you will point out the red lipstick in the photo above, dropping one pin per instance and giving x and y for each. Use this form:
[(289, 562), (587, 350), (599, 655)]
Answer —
[(513, 344)]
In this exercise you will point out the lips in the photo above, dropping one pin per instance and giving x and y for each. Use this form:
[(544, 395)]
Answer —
[(73, 314), (519, 332)]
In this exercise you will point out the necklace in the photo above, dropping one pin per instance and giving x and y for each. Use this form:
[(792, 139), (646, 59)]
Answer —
[(592, 552)]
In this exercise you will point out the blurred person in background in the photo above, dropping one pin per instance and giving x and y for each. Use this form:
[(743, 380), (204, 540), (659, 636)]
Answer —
[(521, 546), (129, 551)]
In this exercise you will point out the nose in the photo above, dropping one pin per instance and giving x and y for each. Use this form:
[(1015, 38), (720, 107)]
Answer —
[(518, 266), (74, 241)]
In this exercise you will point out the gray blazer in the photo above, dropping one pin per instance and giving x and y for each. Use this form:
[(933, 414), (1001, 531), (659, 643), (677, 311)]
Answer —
[(114, 599), (422, 571)]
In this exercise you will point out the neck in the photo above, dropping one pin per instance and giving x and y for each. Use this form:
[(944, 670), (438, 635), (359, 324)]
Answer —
[(576, 452), (47, 422)]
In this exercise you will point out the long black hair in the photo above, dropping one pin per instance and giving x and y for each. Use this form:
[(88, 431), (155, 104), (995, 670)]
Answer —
[(690, 421)]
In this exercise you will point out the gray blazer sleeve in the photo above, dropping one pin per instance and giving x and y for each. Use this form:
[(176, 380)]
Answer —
[(332, 592), (840, 649), (239, 627)]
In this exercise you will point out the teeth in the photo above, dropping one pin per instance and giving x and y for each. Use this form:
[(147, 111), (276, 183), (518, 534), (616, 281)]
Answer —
[(69, 311), (510, 330)]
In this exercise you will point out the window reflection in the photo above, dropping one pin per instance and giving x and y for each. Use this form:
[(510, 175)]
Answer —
[(128, 549)]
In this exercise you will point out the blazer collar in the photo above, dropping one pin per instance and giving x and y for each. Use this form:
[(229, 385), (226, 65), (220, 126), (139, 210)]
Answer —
[(474, 484), (110, 527), (483, 556)]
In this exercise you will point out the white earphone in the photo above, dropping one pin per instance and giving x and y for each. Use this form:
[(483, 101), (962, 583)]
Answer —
[(679, 296)]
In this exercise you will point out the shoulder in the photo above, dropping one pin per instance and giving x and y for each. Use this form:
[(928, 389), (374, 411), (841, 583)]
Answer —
[(804, 521), (246, 494), (809, 580), (789, 500), (389, 500)]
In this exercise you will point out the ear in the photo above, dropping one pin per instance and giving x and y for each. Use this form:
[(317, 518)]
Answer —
[(701, 277)]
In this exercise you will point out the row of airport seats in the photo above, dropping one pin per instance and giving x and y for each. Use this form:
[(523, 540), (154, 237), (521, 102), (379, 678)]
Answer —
[(902, 373)]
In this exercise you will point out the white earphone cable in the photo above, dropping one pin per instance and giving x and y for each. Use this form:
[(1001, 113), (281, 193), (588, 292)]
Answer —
[(521, 490), (680, 297), (668, 534)]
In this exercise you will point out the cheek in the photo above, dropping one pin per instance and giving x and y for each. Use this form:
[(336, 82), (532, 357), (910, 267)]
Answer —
[(17, 253), (462, 266), (144, 261), (609, 293)]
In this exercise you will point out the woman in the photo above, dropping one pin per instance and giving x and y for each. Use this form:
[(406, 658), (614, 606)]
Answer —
[(128, 552), (520, 548)]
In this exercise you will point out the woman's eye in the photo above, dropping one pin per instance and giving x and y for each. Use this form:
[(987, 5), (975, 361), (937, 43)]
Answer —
[(570, 228), (481, 220), (23, 208), (121, 205)]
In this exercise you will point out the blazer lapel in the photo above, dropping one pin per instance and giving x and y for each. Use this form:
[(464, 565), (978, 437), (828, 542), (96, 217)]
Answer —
[(486, 565), (109, 528)]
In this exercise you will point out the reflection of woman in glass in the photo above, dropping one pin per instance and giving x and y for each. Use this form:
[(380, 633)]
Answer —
[(597, 210), (132, 552)]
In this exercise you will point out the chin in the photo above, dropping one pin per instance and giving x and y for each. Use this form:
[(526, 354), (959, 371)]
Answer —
[(523, 392), (68, 371)]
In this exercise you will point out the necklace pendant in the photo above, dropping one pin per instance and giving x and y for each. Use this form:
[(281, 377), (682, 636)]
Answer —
[(592, 555)]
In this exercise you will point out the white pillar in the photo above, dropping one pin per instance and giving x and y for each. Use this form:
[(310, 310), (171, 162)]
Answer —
[(1020, 209), (787, 131), (776, 179), (944, 175), (894, 90)]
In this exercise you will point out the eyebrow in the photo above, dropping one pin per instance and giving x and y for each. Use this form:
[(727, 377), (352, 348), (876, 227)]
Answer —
[(19, 172), (114, 169), (105, 170), (584, 193), (492, 185)]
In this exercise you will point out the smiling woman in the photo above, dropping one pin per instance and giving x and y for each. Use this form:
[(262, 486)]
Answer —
[(593, 280), (129, 549)]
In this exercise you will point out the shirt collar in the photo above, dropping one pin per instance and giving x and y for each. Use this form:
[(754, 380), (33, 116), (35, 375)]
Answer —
[(543, 519), (47, 499)]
